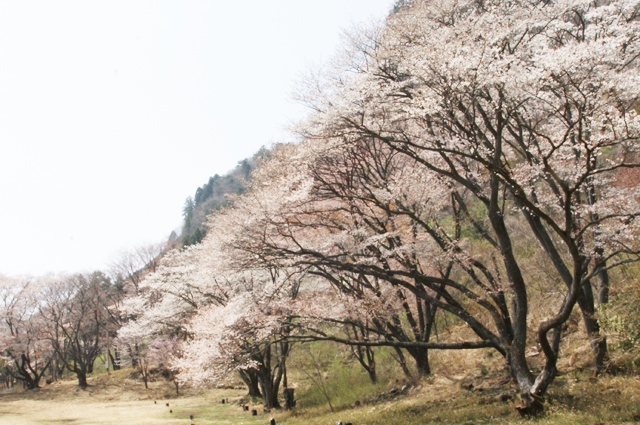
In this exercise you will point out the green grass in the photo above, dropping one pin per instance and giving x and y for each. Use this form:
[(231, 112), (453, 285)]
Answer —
[(576, 397), (574, 400), (331, 369), (115, 399)]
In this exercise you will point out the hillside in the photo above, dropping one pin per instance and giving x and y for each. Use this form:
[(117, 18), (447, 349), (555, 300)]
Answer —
[(213, 195), (454, 238), (450, 396)]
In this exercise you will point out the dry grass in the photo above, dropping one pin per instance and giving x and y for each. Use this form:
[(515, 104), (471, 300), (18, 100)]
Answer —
[(466, 388), (575, 399), (115, 399)]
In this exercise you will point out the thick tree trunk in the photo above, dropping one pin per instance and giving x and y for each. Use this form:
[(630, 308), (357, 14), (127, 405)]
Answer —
[(269, 393), (421, 357), (289, 400), (82, 379), (585, 297), (250, 379), (29, 382), (528, 404), (516, 354), (269, 380)]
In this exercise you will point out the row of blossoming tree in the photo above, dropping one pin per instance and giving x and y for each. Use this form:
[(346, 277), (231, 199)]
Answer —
[(52, 325), (467, 159), (464, 158), (56, 325)]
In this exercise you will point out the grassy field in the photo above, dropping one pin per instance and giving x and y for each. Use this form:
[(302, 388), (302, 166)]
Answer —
[(577, 398), (467, 387), (115, 399)]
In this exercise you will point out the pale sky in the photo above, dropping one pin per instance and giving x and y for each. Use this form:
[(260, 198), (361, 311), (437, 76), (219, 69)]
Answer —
[(113, 112)]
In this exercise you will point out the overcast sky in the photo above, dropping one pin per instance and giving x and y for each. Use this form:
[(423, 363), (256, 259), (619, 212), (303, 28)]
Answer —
[(113, 112)]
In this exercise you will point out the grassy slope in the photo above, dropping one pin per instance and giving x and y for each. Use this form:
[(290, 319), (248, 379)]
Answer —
[(576, 399), (447, 397), (465, 389)]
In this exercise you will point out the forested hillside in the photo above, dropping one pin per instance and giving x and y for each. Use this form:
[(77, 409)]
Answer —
[(213, 196), (467, 180)]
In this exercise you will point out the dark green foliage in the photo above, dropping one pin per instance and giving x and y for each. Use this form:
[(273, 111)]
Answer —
[(400, 4), (213, 196), (187, 211), (194, 238), (245, 169)]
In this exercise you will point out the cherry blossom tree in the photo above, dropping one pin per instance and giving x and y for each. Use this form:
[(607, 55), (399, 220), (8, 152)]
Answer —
[(171, 294), (243, 336), (166, 299), (245, 331), (187, 283), (130, 266), (75, 310), (515, 109), (356, 241), (25, 349), (441, 145)]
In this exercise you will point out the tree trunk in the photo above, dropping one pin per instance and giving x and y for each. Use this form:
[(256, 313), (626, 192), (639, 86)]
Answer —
[(366, 358), (29, 383), (402, 362), (82, 379), (250, 379), (585, 297), (372, 373), (421, 357), (592, 327), (133, 356), (516, 351), (269, 393), (115, 359), (528, 404), (269, 384), (289, 401), (600, 341), (29, 376)]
